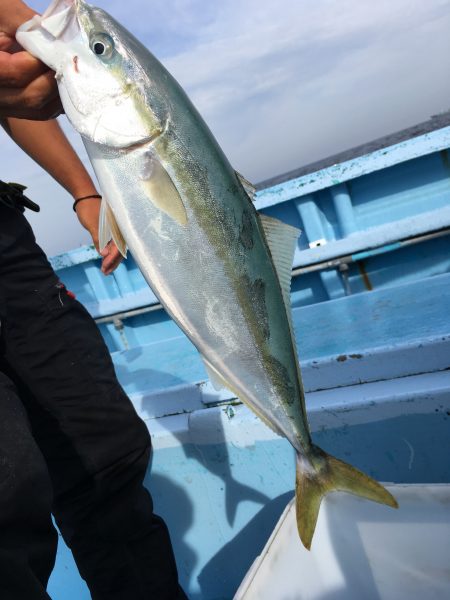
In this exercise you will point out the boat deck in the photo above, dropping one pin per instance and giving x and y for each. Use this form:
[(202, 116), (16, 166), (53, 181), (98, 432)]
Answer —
[(371, 298)]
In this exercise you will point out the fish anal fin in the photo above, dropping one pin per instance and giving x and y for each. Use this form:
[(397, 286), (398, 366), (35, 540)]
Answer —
[(161, 190), (215, 378), (218, 382), (261, 416)]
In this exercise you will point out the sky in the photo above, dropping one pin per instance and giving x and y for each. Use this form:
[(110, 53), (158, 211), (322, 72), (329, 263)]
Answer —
[(281, 83)]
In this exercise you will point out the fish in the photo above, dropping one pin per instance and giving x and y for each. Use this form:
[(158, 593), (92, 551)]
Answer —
[(221, 270)]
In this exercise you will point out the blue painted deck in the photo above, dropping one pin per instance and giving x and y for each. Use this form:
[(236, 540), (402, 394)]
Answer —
[(371, 298), (342, 342)]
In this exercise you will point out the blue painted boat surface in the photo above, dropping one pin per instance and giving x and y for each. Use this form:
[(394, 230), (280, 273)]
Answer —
[(371, 300)]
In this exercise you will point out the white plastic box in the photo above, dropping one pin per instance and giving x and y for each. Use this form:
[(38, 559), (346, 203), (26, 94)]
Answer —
[(360, 551)]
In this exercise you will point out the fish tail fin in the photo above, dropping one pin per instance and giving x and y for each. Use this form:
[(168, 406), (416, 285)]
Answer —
[(320, 474)]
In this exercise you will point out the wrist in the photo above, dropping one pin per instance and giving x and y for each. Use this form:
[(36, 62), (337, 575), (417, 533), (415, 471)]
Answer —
[(85, 190), (87, 198)]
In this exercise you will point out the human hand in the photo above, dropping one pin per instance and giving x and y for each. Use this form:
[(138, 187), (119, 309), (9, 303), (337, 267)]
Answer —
[(88, 212), (28, 89)]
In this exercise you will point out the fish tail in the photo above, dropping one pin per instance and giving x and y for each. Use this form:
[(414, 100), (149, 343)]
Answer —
[(319, 474)]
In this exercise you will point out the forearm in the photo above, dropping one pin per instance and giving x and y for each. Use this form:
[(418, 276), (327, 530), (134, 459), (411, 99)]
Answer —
[(45, 142)]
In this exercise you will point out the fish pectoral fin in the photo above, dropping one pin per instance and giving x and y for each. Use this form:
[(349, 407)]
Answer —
[(109, 230), (282, 241), (161, 190), (104, 231), (325, 474), (248, 187)]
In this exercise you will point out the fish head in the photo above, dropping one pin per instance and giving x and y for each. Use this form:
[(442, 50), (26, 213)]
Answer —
[(100, 83)]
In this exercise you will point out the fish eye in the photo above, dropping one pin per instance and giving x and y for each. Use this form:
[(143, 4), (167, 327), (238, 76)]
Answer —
[(102, 45)]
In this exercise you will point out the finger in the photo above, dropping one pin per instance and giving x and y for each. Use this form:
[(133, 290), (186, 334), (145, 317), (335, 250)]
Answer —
[(14, 15), (39, 100), (107, 265), (112, 260), (7, 43), (34, 94), (19, 69), (113, 266), (53, 109), (105, 251), (50, 111)]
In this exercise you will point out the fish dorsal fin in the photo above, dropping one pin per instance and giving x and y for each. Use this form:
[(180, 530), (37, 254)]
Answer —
[(161, 190), (109, 230), (248, 187), (282, 241)]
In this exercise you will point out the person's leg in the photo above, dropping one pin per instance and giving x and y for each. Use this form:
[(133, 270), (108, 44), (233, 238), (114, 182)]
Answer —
[(28, 539), (95, 446)]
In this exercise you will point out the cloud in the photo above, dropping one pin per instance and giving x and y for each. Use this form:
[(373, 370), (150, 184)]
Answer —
[(304, 80), (284, 83)]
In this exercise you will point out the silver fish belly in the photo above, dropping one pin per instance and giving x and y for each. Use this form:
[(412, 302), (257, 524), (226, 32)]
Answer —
[(216, 278)]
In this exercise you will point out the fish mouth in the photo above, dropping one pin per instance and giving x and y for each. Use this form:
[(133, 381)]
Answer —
[(43, 35), (58, 6), (59, 21)]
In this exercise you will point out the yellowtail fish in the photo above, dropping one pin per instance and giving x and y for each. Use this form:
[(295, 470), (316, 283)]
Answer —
[(220, 270)]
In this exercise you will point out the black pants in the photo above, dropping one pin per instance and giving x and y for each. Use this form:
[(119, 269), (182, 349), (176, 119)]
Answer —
[(70, 443)]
